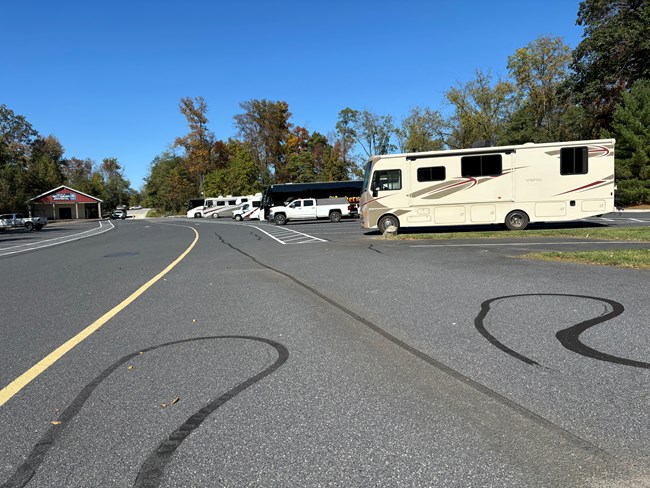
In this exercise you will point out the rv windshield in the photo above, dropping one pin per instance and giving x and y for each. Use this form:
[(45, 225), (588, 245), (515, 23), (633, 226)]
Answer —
[(366, 177)]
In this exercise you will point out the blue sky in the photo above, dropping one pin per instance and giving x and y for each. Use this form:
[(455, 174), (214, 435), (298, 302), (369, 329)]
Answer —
[(106, 77)]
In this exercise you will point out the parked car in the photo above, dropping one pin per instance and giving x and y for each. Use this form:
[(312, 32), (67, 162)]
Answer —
[(17, 220), (136, 207), (311, 208), (118, 214)]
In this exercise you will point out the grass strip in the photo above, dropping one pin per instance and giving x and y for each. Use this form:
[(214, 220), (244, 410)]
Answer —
[(622, 258), (597, 233)]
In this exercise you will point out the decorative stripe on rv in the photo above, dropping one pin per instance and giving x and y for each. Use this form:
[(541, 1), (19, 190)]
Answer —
[(590, 186)]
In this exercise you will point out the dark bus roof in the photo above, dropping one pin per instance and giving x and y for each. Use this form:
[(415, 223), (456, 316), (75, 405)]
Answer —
[(319, 185)]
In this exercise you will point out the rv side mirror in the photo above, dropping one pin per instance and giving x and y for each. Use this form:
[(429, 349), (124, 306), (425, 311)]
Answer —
[(375, 192)]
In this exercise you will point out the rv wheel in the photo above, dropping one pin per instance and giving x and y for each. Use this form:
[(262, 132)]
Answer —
[(238, 218), (517, 220), (386, 222)]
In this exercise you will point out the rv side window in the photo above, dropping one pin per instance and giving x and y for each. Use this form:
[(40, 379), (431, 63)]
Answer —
[(487, 165), (232, 202), (435, 173), (573, 161), (220, 203), (387, 179)]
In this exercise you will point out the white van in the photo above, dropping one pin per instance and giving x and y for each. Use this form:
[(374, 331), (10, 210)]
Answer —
[(250, 210)]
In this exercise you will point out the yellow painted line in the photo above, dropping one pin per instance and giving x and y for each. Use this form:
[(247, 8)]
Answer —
[(24, 379)]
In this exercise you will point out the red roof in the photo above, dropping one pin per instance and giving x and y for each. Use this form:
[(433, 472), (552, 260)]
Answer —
[(65, 194)]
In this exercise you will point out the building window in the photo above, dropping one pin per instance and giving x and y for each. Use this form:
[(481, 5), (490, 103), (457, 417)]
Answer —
[(486, 165), (435, 173), (573, 160), (387, 179)]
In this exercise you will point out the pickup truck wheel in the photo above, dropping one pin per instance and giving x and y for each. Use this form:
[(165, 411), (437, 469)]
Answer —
[(335, 216), (280, 219), (238, 218), (29, 226)]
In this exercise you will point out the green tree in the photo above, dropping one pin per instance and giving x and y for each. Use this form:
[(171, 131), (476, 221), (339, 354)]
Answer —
[(116, 188), (240, 177), (540, 71), (199, 143), (44, 168), (264, 127), (346, 135), (371, 131), (168, 186), (422, 130), (335, 166), (481, 110), (613, 55), (16, 138), (301, 164), (78, 173), (630, 127)]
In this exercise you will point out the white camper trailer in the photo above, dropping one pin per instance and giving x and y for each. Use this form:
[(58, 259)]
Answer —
[(249, 210), (220, 206), (511, 185)]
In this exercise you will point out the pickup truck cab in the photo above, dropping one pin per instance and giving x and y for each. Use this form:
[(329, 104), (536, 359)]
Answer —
[(17, 220), (311, 209)]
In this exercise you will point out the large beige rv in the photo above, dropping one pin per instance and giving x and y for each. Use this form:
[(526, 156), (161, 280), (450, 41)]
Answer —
[(511, 185)]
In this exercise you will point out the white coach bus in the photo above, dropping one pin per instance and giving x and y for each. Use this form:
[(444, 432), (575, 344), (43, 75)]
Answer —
[(511, 185)]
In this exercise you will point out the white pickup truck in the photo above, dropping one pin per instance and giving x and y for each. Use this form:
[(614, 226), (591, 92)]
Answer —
[(311, 209), (17, 220)]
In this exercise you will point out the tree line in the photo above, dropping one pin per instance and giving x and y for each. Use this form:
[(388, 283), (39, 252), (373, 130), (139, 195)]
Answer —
[(31, 164), (551, 93)]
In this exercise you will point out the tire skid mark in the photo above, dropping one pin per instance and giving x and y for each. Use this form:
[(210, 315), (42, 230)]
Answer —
[(150, 473), (505, 401), (569, 337)]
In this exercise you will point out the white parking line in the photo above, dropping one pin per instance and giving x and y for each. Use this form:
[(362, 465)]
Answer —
[(55, 241), (288, 236)]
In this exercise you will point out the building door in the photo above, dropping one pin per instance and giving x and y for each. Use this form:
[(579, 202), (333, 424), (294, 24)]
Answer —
[(65, 213)]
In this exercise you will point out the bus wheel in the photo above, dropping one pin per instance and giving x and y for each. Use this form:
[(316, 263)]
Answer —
[(335, 216), (517, 220), (386, 221)]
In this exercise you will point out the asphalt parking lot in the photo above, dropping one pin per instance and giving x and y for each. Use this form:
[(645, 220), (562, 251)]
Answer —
[(317, 354)]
